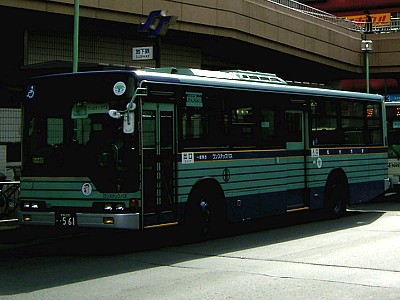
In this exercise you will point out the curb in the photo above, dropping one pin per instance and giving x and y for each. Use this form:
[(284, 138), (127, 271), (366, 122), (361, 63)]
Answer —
[(8, 224)]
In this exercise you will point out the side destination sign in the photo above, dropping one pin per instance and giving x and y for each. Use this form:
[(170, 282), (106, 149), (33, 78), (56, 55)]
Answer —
[(194, 99)]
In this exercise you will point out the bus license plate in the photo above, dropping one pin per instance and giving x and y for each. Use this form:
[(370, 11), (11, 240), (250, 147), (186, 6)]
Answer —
[(66, 219)]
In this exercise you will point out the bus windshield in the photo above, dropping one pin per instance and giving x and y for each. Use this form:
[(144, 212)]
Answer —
[(68, 132)]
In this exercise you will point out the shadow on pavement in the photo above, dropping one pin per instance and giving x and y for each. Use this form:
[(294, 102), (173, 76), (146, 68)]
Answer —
[(34, 259)]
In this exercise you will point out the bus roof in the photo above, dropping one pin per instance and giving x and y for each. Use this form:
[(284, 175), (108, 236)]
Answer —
[(230, 79), (224, 74)]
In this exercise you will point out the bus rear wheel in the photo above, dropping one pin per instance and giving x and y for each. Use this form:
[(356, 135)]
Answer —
[(336, 193)]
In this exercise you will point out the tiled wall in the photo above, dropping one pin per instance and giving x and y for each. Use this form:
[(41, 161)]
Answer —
[(106, 49), (10, 125), (10, 133)]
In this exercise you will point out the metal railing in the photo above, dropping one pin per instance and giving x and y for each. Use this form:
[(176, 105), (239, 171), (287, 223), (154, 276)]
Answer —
[(9, 193), (394, 25), (9, 199), (383, 27)]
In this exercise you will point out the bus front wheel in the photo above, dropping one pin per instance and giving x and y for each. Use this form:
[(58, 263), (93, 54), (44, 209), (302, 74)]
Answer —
[(205, 211)]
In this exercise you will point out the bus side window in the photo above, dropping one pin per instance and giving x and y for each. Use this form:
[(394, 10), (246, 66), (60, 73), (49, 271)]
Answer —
[(324, 123), (243, 127), (194, 124), (269, 136), (205, 125), (352, 122)]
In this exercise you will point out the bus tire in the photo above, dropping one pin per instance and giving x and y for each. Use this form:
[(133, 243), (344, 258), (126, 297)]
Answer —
[(205, 213), (336, 193)]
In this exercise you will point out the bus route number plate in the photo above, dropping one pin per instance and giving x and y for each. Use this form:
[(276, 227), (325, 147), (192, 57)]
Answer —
[(66, 219)]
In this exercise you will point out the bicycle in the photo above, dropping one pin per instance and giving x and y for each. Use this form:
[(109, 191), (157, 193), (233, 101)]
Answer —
[(9, 193)]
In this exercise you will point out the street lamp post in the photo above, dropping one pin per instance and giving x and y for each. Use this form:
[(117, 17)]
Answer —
[(366, 47), (76, 37)]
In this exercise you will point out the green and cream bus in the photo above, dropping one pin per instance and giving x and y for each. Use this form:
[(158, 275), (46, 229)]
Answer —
[(393, 127), (136, 149)]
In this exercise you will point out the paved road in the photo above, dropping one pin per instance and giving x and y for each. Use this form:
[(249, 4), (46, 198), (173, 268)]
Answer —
[(355, 257)]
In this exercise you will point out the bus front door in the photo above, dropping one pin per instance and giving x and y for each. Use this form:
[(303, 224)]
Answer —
[(157, 135), (297, 197)]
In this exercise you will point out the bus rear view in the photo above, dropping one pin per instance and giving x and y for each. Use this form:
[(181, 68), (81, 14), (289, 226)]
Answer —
[(69, 134)]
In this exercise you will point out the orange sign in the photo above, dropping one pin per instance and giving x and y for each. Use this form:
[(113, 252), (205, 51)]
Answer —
[(377, 19)]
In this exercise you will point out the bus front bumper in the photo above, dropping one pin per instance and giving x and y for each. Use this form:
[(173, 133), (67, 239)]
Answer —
[(89, 220)]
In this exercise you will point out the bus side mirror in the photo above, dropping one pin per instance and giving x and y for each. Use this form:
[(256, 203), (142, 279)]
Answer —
[(128, 119), (115, 114), (129, 122), (128, 114)]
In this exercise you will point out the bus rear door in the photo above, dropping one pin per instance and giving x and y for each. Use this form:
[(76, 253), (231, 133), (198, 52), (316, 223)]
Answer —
[(157, 136)]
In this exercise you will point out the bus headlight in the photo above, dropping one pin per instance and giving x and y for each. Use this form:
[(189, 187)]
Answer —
[(114, 207), (31, 205), (108, 207), (119, 207)]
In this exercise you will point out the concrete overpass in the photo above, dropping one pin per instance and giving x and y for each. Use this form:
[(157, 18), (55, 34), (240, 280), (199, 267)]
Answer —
[(276, 37)]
